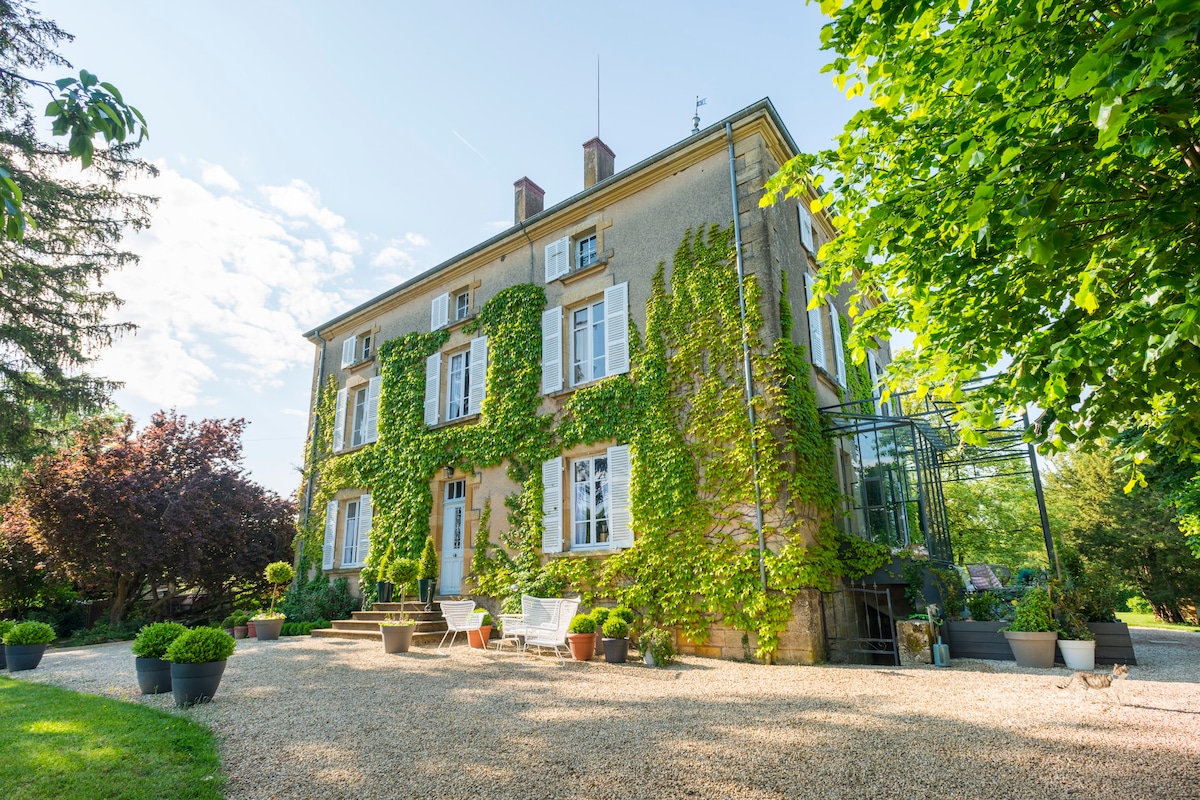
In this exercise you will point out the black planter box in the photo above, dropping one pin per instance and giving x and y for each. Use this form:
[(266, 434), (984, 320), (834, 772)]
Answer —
[(968, 639)]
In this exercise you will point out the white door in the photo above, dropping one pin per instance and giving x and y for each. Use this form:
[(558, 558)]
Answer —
[(454, 514)]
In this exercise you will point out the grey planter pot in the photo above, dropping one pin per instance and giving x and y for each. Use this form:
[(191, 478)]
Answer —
[(397, 638), (1032, 648), (21, 657), (195, 683), (616, 650), (153, 675), (269, 629)]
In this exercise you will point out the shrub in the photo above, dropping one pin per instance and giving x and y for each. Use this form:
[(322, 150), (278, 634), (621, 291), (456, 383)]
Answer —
[(983, 607), (153, 640), (6, 625), (616, 628), (1034, 613), (657, 642), (600, 614), (428, 569), (201, 646), (1136, 604), (487, 616), (582, 623), (402, 572), (230, 621), (319, 600), (278, 572), (624, 613), (29, 633)]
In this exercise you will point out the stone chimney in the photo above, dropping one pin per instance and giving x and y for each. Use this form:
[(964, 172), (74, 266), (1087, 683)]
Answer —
[(529, 199), (597, 162)]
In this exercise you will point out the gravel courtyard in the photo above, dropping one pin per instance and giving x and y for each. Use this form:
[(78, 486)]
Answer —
[(321, 718)]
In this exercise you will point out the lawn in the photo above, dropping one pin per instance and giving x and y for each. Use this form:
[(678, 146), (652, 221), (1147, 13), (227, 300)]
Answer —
[(1148, 621), (67, 746)]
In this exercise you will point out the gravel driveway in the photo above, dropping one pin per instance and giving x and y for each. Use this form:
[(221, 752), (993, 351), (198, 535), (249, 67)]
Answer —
[(323, 718)]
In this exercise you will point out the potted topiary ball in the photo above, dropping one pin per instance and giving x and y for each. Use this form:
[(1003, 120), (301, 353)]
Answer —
[(398, 631), (6, 625), (1033, 632), (153, 671), (427, 574), (198, 659), (581, 636), (600, 615), (25, 644), (616, 641), (270, 623)]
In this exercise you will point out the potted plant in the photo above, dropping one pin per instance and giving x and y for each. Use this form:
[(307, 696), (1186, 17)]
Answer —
[(616, 640), (149, 648), (479, 639), (197, 659), (1033, 632), (6, 625), (398, 630), (427, 574), (384, 586), (1077, 643), (270, 623), (241, 625), (600, 615), (25, 644), (581, 637), (658, 650)]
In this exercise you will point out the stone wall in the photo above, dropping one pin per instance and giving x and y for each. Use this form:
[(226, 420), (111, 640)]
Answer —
[(802, 643)]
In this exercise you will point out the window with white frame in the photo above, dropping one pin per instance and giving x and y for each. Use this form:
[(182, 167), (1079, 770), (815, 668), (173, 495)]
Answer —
[(582, 249), (597, 495), (350, 534), (355, 531), (585, 251), (458, 386), (356, 349), (462, 305), (587, 343), (357, 408), (364, 347), (358, 430), (597, 340), (589, 502)]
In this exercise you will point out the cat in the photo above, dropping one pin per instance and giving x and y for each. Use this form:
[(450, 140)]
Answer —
[(1092, 680)]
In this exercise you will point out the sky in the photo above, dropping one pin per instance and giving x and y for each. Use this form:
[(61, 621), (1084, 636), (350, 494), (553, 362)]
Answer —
[(312, 156)]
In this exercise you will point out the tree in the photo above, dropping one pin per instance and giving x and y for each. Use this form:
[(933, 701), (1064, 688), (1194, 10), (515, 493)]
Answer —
[(1025, 184), (994, 520), (155, 512), (54, 318), (1136, 534)]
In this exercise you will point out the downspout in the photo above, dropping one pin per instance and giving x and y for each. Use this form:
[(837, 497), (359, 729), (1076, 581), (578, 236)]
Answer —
[(521, 222), (737, 238), (312, 456)]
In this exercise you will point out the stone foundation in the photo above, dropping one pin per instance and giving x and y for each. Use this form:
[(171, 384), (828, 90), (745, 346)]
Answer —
[(802, 642)]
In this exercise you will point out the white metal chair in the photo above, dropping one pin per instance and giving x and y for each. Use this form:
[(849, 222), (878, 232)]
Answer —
[(539, 611), (554, 634), (459, 619), (512, 628)]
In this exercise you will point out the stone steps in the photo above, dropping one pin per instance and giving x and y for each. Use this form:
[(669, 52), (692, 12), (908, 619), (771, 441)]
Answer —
[(365, 624)]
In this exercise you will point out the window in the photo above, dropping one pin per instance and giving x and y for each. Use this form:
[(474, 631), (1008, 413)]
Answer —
[(363, 412), (364, 347), (583, 248), (462, 305), (587, 343), (356, 349), (358, 432), (458, 394), (585, 251), (589, 502), (356, 532), (350, 534)]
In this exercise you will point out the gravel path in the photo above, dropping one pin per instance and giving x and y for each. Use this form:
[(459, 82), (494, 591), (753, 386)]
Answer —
[(322, 718)]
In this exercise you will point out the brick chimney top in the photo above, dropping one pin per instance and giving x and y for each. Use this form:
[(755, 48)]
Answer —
[(598, 162), (528, 199)]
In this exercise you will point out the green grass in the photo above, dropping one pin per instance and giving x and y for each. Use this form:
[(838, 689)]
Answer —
[(1148, 621), (66, 746)]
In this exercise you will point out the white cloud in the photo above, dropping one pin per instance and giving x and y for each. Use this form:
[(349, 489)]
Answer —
[(397, 257), (301, 201), (216, 175), (416, 239)]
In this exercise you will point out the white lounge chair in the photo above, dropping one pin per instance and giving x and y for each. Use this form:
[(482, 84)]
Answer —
[(459, 619), (549, 634), (541, 611)]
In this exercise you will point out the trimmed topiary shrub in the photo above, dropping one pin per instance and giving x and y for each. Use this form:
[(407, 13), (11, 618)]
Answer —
[(201, 646), (153, 640), (582, 623), (600, 614), (6, 625), (624, 613), (616, 628), (29, 633)]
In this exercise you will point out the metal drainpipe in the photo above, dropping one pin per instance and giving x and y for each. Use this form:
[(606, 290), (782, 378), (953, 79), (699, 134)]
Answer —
[(521, 222), (312, 457), (737, 238)]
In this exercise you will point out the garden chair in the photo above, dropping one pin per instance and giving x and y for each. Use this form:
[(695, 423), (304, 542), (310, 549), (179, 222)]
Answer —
[(553, 636), (459, 619), (538, 610)]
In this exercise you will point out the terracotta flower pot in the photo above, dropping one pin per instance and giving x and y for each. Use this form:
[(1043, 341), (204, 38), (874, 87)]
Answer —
[(397, 638), (583, 645), (251, 629), (241, 631), (1032, 648), (479, 639)]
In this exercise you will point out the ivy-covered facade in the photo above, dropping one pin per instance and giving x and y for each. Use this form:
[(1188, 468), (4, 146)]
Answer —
[(563, 408)]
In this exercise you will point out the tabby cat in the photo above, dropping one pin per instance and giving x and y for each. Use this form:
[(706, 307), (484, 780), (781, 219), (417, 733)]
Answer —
[(1092, 680)]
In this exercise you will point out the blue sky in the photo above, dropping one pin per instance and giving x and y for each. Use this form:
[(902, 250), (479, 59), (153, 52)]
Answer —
[(315, 155)]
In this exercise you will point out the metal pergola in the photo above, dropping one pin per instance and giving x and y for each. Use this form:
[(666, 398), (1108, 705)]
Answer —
[(904, 451)]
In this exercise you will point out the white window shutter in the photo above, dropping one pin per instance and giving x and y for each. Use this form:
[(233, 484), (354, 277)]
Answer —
[(873, 371), (365, 512), (339, 421), (816, 333), (330, 534), (839, 358), (552, 350), (620, 531), (478, 373), (439, 312), (373, 391), (616, 329), (806, 231), (558, 261), (552, 538), (433, 376), (348, 347)]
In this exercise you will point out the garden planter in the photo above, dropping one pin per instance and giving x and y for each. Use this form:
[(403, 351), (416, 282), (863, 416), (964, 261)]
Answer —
[(195, 683), (231, 632), (251, 630), (383, 592), (1078, 654), (425, 590), (23, 656), (269, 629), (1032, 648), (3, 660), (397, 638), (583, 646), (479, 639), (240, 632), (599, 642), (648, 659), (153, 674), (615, 650)]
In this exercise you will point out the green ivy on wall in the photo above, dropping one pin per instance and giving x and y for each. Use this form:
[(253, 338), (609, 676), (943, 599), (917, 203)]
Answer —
[(858, 376)]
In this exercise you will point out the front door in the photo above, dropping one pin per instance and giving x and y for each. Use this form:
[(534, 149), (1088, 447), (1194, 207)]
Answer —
[(454, 514)]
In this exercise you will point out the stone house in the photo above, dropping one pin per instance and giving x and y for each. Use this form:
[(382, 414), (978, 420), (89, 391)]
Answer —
[(595, 256)]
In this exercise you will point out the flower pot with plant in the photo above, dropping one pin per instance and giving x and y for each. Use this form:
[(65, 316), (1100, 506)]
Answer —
[(397, 630), (270, 623), (427, 574), (479, 639), (198, 659), (1077, 643), (6, 625), (616, 640), (581, 637), (1033, 632), (25, 644), (600, 615), (149, 649), (658, 649)]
